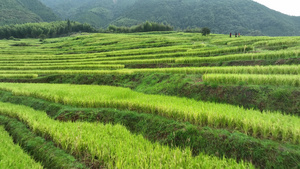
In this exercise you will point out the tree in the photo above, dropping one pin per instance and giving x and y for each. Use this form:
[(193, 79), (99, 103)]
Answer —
[(112, 28), (35, 30), (42, 37), (147, 27), (205, 31), (69, 26)]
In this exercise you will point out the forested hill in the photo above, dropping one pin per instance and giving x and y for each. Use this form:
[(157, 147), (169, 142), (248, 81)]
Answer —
[(222, 16), (99, 13), (23, 11)]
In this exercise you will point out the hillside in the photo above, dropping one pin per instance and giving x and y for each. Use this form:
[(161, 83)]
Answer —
[(221, 16), (103, 99), (95, 12), (23, 11), (244, 16)]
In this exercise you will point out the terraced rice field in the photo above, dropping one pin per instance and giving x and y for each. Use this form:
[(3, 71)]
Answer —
[(150, 100)]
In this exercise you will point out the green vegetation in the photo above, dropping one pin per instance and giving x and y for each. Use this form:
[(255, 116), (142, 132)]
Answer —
[(42, 150), (42, 30), (205, 31), (145, 27), (248, 56), (278, 80), (251, 122), (96, 13), (18, 75), (144, 53), (191, 70), (229, 98), (12, 156), (113, 145), (242, 16), (273, 98), (58, 67), (23, 11), (173, 133)]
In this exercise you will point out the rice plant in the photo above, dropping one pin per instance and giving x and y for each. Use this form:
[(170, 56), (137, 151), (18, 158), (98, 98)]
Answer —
[(12, 156), (114, 145), (277, 80), (182, 109)]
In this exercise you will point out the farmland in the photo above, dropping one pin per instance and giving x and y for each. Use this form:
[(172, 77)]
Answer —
[(152, 100)]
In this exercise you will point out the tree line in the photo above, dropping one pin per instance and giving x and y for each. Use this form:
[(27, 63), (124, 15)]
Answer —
[(205, 31), (44, 29), (144, 27), (61, 28)]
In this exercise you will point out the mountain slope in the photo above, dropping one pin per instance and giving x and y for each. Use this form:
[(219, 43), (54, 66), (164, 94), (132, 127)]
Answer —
[(244, 16), (99, 13), (23, 11), (221, 16)]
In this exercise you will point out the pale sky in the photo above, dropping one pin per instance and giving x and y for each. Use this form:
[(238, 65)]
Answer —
[(289, 7)]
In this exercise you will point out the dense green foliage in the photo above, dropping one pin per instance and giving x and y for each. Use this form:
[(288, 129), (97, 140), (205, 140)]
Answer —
[(12, 156), (244, 16), (42, 30), (248, 70), (113, 145), (95, 12), (250, 122), (82, 56), (21, 76), (170, 132), (273, 98), (23, 11), (162, 63), (287, 80), (144, 27), (44, 151), (205, 31)]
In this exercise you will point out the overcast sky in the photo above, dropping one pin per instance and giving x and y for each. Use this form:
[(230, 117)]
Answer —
[(290, 7)]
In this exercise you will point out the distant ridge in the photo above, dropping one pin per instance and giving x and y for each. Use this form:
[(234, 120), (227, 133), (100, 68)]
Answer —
[(23, 11), (222, 16)]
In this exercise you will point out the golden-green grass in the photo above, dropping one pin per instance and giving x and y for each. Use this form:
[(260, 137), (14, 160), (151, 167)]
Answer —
[(283, 69), (142, 48), (254, 79), (17, 76), (266, 125), (113, 145), (12, 156)]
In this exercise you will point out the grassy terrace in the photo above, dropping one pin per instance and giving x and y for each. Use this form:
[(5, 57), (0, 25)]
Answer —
[(114, 145), (215, 115), (194, 101), (288, 80), (12, 156)]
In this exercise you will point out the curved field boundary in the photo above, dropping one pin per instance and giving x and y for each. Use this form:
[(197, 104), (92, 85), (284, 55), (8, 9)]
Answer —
[(277, 80), (284, 69), (22, 76), (40, 149), (190, 53), (248, 56), (266, 125), (12, 156), (276, 42), (169, 132), (63, 67), (131, 52), (233, 41), (114, 145)]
